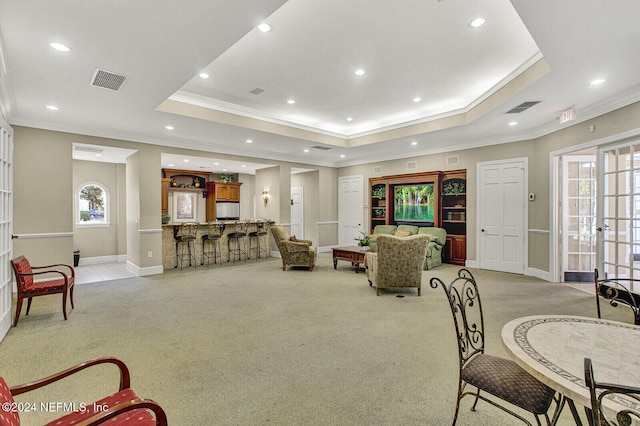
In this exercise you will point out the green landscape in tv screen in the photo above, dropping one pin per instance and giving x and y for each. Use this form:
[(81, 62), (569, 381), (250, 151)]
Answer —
[(414, 203)]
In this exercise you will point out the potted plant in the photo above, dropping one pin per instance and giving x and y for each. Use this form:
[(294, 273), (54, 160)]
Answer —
[(226, 178), (363, 241)]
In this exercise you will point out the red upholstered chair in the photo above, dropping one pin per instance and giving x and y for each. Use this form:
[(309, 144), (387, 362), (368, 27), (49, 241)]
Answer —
[(122, 408), (61, 282)]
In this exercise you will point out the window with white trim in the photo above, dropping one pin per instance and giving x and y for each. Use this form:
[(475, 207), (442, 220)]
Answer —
[(92, 204)]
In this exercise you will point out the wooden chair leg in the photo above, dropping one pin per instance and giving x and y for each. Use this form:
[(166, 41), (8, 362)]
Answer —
[(419, 292), (64, 305), (71, 297), (29, 305), (18, 309)]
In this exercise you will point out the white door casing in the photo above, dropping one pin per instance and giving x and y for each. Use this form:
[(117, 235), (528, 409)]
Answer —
[(297, 212), (350, 209), (6, 226), (502, 217)]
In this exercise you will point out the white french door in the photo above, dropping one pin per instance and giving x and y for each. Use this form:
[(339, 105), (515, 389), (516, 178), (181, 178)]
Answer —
[(619, 210), (6, 225), (578, 217)]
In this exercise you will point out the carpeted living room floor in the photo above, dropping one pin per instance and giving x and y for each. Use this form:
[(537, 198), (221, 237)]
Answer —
[(249, 344)]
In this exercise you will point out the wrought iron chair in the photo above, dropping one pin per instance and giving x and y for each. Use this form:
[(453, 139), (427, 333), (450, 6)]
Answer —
[(626, 397), (185, 236), (494, 375), (62, 282), (122, 408), (236, 241), (259, 235), (213, 234), (618, 292)]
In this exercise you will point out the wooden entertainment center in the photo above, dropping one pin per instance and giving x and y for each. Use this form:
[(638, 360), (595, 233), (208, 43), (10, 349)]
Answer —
[(445, 198)]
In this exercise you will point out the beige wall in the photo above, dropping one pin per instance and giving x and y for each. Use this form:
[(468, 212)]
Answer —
[(42, 155), (102, 240), (623, 122), (311, 200), (42, 191)]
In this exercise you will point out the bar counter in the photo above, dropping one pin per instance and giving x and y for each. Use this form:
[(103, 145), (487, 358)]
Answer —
[(169, 242)]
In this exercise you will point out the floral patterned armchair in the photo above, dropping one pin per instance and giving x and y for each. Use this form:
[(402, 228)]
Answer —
[(294, 252), (397, 262)]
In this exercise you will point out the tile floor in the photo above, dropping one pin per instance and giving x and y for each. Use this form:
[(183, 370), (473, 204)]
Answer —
[(101, 272)]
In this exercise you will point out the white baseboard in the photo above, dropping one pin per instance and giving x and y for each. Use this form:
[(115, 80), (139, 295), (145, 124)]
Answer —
[(471, 264), (97, 260), (149, 270)]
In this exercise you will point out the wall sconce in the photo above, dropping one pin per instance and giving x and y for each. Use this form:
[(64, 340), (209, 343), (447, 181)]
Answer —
[(265, 196)]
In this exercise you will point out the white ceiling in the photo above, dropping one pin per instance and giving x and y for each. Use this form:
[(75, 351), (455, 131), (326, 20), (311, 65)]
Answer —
[(467, 78)]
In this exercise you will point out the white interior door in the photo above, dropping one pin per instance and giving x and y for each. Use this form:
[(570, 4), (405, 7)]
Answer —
[(351, 209), (502, 216), (297, 212), (6, 226), (619, 210)]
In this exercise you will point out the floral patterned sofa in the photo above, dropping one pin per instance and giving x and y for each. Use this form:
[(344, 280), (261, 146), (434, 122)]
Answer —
[(437, 240)]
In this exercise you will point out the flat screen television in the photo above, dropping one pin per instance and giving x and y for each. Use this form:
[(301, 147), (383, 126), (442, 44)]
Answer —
[(414, 203)]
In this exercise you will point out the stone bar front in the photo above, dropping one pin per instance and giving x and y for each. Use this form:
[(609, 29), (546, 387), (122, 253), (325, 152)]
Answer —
[(169, 260)]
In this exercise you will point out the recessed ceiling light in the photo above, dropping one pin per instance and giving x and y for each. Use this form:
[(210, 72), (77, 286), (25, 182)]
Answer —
[(264, 27), (249, 141), (478, 22), (186, 160), (597, 81), (291, 102), (204, 75), (513, 123), (224, 170), (417, 99), (414, 143), (349, 118), (342, 155), (52, 107), (60, 47), (168, 127), (170, 165), (243, 165), (360, 72), (306, 150)]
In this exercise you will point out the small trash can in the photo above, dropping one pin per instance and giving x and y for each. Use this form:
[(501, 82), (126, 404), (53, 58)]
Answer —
[(76, 257)]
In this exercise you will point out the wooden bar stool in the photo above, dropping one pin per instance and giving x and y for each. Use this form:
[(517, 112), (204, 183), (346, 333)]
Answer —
[(212, 234), (236, 242), (185, 236), (260, 238)]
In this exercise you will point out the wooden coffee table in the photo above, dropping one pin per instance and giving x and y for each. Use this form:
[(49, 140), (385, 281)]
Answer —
[(353, 254)]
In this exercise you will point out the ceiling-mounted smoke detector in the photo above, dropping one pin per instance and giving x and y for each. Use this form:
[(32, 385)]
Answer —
[(107, 80)]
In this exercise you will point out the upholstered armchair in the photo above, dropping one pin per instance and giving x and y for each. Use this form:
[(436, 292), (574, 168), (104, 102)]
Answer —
[(397, 262), (294, 253), (437, 240), (380, 230)]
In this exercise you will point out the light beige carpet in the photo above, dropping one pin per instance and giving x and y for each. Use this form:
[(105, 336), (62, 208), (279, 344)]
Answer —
[(252, 345)]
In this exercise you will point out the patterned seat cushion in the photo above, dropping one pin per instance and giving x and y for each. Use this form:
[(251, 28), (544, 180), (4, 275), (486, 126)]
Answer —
[(506, 380), (7, 417), (139, 417)]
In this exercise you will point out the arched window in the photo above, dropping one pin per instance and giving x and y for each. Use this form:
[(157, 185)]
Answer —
[(92, 204)]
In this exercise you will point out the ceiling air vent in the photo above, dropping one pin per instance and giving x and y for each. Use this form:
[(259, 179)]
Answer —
[(412, 165), (452, 160), (256, 91), (377, 170), (322, 148), (107, 79), (522, 107)]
